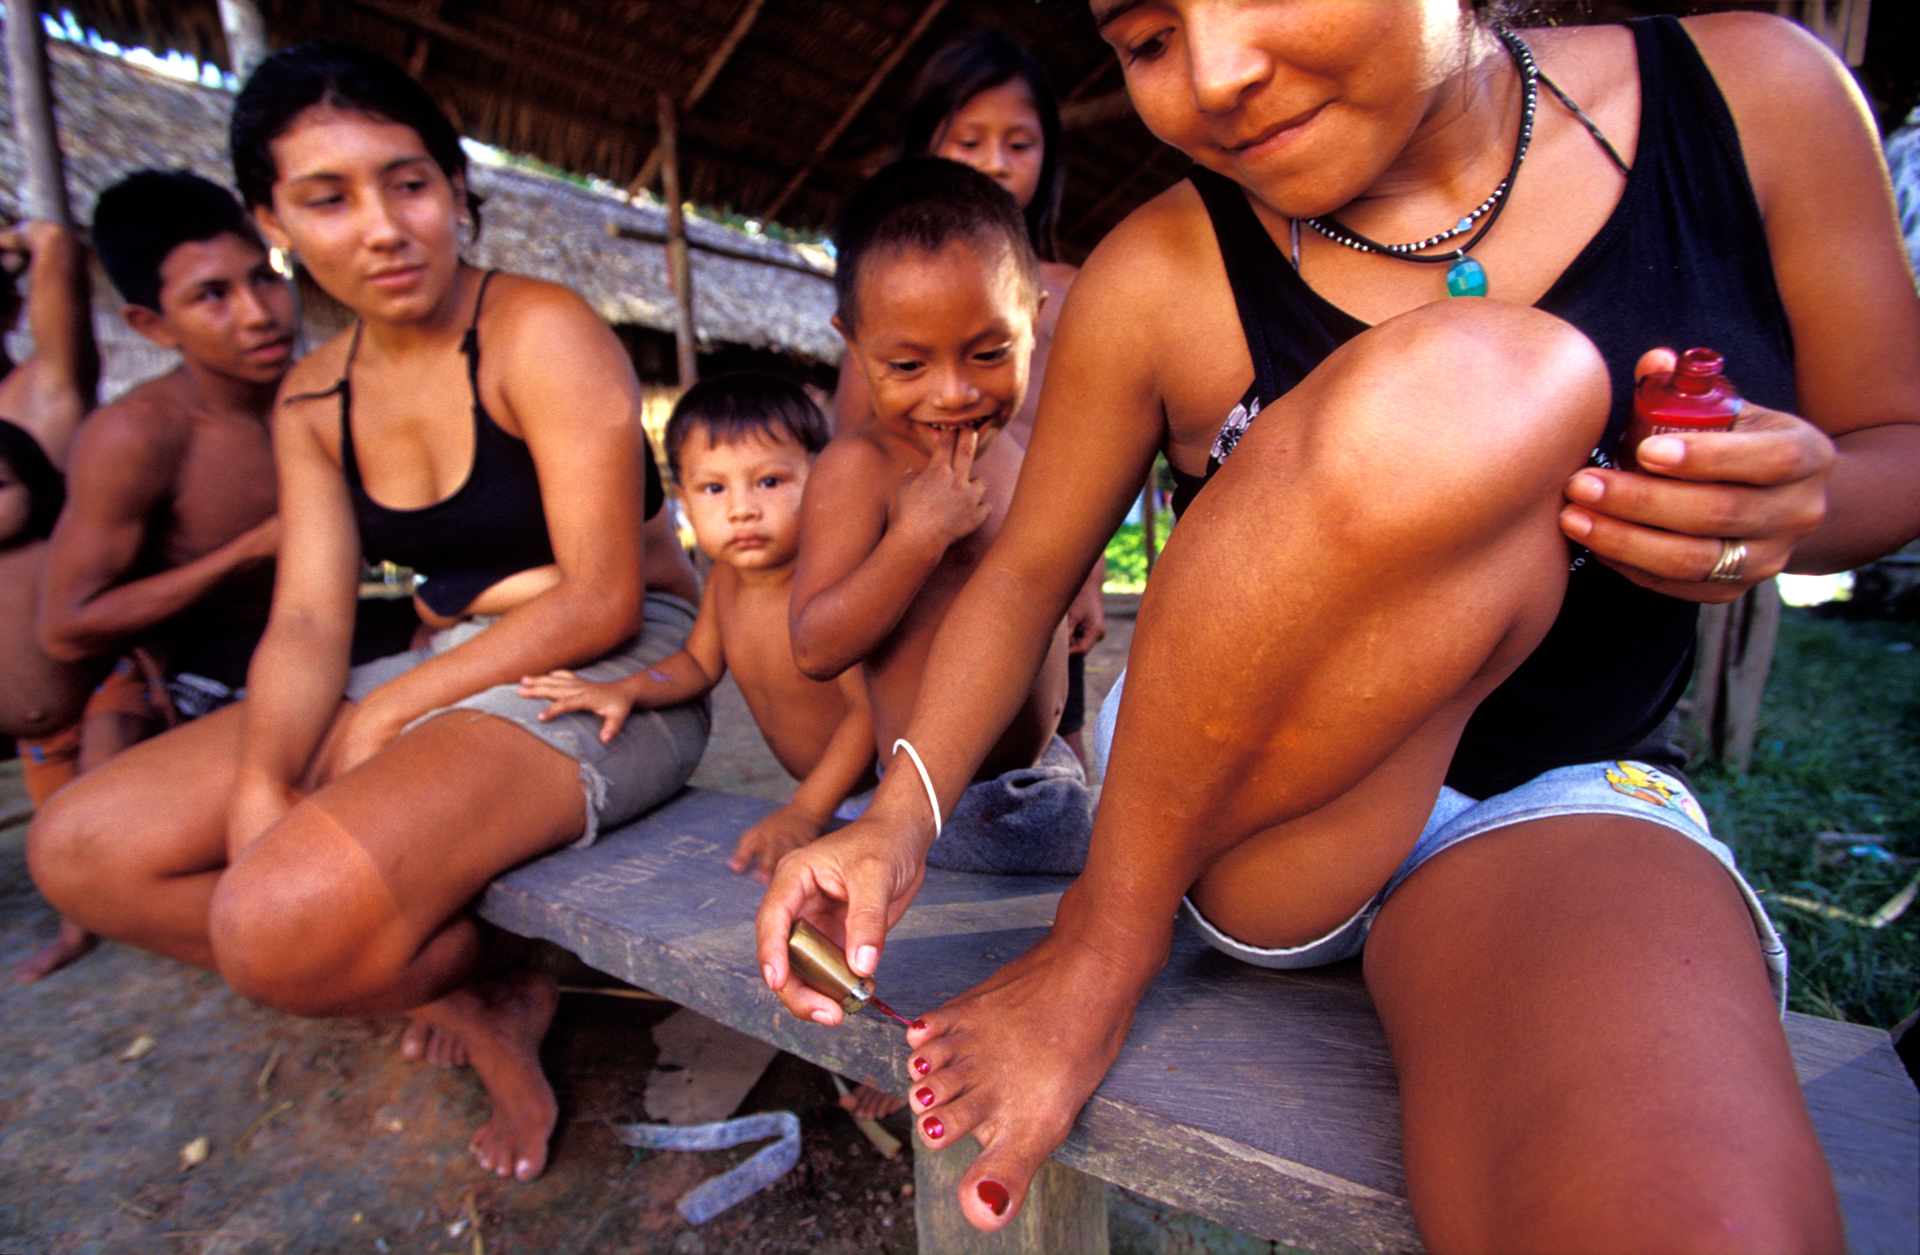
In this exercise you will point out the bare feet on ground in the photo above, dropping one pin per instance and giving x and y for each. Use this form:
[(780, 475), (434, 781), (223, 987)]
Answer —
[(423, 1041), (499, 1024), (869, 1103), (1013, 1060), (73, 942)]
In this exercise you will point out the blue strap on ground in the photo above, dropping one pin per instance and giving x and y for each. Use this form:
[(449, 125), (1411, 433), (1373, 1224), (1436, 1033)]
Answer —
[(710, 1198)]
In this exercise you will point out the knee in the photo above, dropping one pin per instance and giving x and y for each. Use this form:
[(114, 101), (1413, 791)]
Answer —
[(283, 944), (1478, 374), (71, 854)]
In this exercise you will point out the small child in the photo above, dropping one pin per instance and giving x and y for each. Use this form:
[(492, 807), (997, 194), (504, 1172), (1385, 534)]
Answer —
[(740, 447), (938, 294)]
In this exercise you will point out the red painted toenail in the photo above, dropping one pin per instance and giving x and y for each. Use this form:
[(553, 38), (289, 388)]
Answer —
[(932, 1127), (921, 1067), (923, 1096), (918, 1024), (994, 1195)]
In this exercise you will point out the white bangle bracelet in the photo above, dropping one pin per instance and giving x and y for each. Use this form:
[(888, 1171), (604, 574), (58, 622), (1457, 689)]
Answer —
[(933, 799)]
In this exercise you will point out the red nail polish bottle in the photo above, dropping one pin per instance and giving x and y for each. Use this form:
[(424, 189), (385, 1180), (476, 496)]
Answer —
[(1694, 396)]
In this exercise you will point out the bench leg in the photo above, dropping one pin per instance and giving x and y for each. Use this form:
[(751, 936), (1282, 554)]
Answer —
[(1065, 1211)]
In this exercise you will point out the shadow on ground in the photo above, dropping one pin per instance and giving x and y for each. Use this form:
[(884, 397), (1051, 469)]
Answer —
[(319, 1137)]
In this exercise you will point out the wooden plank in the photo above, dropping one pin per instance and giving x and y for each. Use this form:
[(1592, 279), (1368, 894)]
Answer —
[(1260, 1099), (1867, 1114)]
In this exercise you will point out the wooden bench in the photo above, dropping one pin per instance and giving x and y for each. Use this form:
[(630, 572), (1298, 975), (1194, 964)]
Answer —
[(1261, 1100)]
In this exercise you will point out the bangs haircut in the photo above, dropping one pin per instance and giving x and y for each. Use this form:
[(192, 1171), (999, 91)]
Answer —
[(962, 70), (343, 76), (139, 221), (742, 404), (46, 487), (923, 204)]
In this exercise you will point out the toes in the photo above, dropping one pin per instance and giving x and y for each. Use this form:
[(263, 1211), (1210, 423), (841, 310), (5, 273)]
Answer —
[(414, 1042), (994, 1188)]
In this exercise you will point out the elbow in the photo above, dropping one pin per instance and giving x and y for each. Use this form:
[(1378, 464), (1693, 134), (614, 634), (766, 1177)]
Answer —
[(61, 644), (611, 621), (815, 662)]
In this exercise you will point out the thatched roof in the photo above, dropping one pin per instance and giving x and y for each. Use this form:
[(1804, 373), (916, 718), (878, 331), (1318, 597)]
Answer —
[(800, 105), (748, 291), (785, 104)]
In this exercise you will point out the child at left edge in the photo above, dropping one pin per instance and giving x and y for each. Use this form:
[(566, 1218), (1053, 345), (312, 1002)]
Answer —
[(740, 446)]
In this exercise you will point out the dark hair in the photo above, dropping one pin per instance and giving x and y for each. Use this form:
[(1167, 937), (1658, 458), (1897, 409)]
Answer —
[(139, 221), (46, 487), (924, 204), (744, 403), (962, 70), (344, 76)]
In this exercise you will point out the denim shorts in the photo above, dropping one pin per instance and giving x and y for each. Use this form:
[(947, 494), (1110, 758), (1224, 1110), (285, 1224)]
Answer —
[(651, 756), (1631, 789)]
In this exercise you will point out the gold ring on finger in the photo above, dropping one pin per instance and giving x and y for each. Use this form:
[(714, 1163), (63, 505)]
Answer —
[(1731, 568)]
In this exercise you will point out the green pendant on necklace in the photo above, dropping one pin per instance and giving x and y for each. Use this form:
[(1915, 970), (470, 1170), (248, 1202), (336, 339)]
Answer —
[(1466, 277)]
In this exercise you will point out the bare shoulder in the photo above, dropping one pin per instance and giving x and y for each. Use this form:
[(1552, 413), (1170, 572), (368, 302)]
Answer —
[(1788, 93), (311, 380), (520, 307), (1153, 244), (1137, 285), (853, 458), (151, 420)]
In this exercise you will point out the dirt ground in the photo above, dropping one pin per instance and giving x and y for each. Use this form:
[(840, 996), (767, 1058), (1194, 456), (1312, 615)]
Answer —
[(319, 1137)]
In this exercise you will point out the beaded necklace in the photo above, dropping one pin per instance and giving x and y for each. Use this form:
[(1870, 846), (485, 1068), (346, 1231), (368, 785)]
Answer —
[(1466, 276)]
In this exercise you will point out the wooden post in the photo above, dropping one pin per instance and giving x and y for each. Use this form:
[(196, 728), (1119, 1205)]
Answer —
[(1736, 653), (715, 63), (679, 265), (246, 36), (45, 194), (1065, 1210)]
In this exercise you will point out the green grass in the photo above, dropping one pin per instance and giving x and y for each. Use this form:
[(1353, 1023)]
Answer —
[(1126, 563), (1838, 751)]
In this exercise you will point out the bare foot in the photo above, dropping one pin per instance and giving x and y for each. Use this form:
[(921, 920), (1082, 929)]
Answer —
[(869, 1103), (500, 1023), (423, 1041), (72, 942), (1014, 1059)]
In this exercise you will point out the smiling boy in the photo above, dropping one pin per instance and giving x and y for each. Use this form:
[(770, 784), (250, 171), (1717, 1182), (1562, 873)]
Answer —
[(938, 293), (170, 527)]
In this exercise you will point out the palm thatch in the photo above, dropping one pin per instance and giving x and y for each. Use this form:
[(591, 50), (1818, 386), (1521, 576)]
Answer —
[(785, 105), (749, 292)]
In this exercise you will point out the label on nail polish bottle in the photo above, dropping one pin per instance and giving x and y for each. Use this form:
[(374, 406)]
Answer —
[(1694, 396)]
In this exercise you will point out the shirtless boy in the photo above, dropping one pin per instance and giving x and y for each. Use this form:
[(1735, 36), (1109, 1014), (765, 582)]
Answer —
[(937, 298), (41, 402), (168, 537), (740, 447)]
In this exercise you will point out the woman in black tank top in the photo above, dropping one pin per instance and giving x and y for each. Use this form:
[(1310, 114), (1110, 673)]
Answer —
[(484, 429), (1577, 999)]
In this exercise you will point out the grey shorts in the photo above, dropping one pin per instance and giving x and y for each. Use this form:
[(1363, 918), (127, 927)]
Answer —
[(1632, 789), (651, 756)]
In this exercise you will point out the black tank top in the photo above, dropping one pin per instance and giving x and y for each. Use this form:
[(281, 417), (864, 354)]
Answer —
[(1682, 262), (494, 525)]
